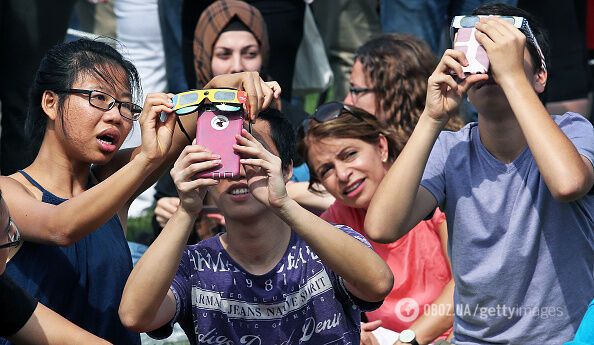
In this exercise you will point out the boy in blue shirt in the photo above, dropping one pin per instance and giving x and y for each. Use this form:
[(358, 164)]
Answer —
[(516, 187)]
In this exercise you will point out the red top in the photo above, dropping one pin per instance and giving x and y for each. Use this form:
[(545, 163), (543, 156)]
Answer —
[(420, 267)]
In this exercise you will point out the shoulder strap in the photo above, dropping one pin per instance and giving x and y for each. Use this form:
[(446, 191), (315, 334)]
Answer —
[(33, 182)]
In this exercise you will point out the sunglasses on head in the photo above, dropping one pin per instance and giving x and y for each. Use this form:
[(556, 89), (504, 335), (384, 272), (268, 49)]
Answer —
[(330, 111), (223, 99), (520, 23)]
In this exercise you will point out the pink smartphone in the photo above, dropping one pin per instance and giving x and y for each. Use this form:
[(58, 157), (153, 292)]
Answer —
[(216, 130), (478, 61)]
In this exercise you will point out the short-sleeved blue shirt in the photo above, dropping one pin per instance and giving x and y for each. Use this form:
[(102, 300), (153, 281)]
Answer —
[(523, 262)]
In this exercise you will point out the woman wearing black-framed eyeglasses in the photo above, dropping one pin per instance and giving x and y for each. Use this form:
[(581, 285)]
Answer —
[(389, 80), (71, 203)]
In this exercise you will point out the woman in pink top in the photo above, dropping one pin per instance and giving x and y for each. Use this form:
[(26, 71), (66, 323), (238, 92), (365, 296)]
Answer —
[(348, 152)]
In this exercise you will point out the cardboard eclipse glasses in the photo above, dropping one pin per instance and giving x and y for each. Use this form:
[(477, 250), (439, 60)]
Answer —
[(223, 99), (520, 23)]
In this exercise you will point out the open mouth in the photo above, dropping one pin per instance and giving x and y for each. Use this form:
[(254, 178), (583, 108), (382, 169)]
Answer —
[(107, 139), (109, 136), (239, 191), (353, 187)]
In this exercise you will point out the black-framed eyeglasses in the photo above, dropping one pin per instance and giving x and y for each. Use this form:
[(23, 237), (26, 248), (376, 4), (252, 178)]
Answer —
[(330, 111), (14, 236), (356, 91), (105, 101)]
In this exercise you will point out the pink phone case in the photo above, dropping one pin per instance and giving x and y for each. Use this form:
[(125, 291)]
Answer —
[(478, 61), (216, 131)]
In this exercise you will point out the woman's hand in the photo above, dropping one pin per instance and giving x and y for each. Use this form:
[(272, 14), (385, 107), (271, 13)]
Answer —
[(260, 93), (263, 171), (165, 208), (444, 94), (156, 135), (193, 159)]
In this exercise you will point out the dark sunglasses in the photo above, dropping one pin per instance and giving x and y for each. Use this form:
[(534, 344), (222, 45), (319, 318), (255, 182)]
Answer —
[(330, 111)]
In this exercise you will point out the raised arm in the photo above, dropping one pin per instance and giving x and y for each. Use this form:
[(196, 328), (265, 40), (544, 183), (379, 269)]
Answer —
[(399, 203), (147, 303), (365, 274), (75, 218), (567, 174), (125, 176), (260, 95)]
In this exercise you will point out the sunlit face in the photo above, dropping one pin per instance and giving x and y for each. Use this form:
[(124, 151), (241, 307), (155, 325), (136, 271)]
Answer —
[(233, 197), (236, 51), (349, 169), (90, 134), (489, 96), (363, 100)]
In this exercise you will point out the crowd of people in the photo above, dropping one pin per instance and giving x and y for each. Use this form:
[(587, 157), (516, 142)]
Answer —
[(385, 217)]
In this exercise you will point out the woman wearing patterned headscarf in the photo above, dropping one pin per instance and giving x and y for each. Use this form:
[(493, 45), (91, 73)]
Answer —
[(230, 37)]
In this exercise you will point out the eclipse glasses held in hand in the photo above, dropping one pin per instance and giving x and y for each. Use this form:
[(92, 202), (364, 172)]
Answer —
[(521, 23), (223, 99)]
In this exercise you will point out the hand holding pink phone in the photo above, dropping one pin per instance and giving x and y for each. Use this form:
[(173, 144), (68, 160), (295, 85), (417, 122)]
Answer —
[(216, 130)]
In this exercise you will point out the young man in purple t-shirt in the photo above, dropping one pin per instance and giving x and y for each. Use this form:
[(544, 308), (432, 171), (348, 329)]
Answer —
[(279, 275), (516, 187)]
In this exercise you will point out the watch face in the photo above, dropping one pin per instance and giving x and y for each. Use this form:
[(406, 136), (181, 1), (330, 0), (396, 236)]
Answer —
[(407, 336)]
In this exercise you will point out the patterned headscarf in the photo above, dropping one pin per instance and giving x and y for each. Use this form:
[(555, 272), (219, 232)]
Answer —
[(213, 21)]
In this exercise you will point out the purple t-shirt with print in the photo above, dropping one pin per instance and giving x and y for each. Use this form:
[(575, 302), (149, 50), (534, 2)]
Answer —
[(300, 301)]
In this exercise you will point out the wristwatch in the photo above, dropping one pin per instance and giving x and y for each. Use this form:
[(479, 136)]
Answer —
[(408, 336)]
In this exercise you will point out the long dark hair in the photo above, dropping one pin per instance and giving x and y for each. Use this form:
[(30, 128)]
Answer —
[(60, 68)]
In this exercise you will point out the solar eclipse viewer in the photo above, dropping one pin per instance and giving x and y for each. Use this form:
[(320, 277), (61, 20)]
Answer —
[(462, 33), (219, 121)]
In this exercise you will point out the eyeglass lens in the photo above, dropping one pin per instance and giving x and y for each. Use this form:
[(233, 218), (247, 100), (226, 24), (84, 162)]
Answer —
[(106, 102)]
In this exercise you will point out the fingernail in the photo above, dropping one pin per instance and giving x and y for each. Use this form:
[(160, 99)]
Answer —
[(216, 156)]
